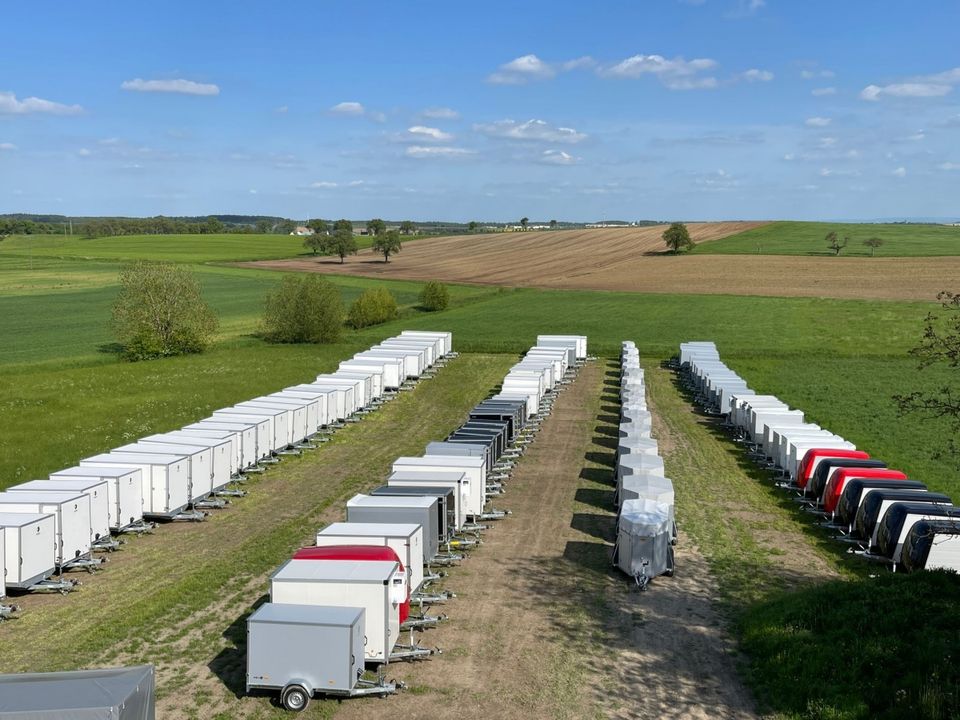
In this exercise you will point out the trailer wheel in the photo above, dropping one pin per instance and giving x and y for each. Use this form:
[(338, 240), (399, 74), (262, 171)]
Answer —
[(295, 698)]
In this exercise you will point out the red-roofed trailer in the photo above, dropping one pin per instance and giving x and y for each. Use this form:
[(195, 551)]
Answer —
[(813, 456)]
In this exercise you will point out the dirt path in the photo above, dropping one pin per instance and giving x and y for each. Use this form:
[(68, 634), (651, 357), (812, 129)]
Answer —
[(631, 260), (544, 627)]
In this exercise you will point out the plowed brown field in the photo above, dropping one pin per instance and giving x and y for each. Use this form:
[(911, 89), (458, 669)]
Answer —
[(631, 260)]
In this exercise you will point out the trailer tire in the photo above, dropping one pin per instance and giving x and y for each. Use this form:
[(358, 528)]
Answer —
[(295, 698)]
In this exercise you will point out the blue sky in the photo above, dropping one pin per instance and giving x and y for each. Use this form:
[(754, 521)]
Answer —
[(694, 109)]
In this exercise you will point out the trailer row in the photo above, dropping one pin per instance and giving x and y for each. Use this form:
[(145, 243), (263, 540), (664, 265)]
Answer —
[(357, 599), (57, 524), (887, 516), (646, 525)]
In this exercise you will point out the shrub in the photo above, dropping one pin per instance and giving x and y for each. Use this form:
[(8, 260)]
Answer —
[(303, 309), (373, 307), (160, 312), (434, 296)]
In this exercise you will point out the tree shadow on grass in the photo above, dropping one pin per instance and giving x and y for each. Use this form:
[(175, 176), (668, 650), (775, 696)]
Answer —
[(113, 348)]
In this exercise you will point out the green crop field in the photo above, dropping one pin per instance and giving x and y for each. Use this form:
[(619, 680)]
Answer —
[(64, 394), (807, 238)]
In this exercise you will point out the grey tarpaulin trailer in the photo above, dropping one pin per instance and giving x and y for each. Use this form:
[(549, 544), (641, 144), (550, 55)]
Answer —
[(406, 540), (446, 504), (71, 512), (643, 549), (29, 548), (456, 482), (282, 643), (420, 510), (166, 480), (651, 487), (97, 492), (110, 694), (124, 491)]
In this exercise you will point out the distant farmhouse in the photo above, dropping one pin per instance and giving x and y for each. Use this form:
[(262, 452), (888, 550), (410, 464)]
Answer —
[(301, 231)]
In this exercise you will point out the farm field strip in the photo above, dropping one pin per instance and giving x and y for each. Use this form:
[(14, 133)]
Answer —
[(170, 597)]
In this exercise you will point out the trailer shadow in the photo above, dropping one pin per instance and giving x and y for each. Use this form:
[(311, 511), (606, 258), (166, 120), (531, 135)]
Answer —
[(230, 664), (596, 497), (601, 476), (605, 459), (607, 430), (598, 526), (606, 441)]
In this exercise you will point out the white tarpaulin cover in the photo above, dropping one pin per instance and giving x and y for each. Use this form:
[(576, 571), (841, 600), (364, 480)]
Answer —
[(112, 694)]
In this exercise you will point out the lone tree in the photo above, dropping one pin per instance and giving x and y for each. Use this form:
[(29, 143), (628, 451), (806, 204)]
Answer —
[(303, 309), (677, 238), (873, 243), (160, 312), (315, 242), (388, 244), (939, 348), (341, 243), (472, 226), (408, 228), (376, 227), (553, 224), (434, 296), (524, 222), (835, 243)]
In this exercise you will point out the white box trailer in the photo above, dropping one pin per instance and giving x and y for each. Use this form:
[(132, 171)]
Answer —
[(339, 399), (295, 415), (421, 510), (530, 388), (253, 436), (454, 480), (324, 398), (366, 384), (406, 540), (349, 368), (96, 489), (200, 463), (542, 371), (411, 359), (704, 348), (439, 345), (276, 436), (351, 399), (475, 468), (799, 448), (531, 401), (224, 445), (391, 370), (446, 338), (71, 513), (165, 479), (30, 547), (124, 491), (761, 417), (568, 346), (346, 583), (418, 351), (579, 343), (312, 407), (424, 347)]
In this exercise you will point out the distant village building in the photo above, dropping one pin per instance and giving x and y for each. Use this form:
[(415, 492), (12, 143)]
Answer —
[(301, 231)]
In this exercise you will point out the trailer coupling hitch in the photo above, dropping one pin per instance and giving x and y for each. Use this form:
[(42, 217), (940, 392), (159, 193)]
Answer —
[(7, 611), (106, 544)]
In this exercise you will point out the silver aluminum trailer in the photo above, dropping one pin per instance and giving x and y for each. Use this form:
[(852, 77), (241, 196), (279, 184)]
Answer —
[(166, 480), (282, 644), (30, 548), (391, 370), (224, 443), (124, 492), (285, 424), (276, 437), (254, 437), (475, 468), (643, 549), (405, 539), (200, 463), (97, 491), (419, 510), (71, 513), (446, 505), (326, 399), (445, 337), (454, 481), (413, 366), (347, 583), (315, 408), (125, 693), (339, 399), (351, 399), (297, 420)]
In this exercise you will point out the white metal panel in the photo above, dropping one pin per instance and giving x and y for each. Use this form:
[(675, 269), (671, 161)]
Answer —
[(71, 512), (405, 539), (165, 479), (475, 468), (96, 489), (30, 547), (124, 492), (200, 461)]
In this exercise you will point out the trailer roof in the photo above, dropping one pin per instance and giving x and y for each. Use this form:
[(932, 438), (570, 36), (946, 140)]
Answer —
[(360, 500), (451, 476), (12, 519), (306, 614), (48, 498), (95, 471), (353, 571), (80, 695), (364, 529), (452, 461)]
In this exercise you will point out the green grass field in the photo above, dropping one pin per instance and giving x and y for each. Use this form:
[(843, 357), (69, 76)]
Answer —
[(64, 395), (807, 238)]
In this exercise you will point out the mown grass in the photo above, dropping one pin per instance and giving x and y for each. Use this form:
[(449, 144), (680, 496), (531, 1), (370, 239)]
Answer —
[(807, 238)]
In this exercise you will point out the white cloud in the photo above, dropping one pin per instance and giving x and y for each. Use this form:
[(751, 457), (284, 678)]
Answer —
[(558, 157), (9, 105), (949, 166), (356, 183), (422, 133), (719, 180), (746, 8), (829, 172), (820, 92), (178, 85), (676, 74), (755, 75), (441, 113), (789, 156), (376, 116), (110, 141), (282, 110), (913, 89), (348, 108), (323, 185), (252, 192), (899, 172), (423, 151), (585, 62), (950, 77), (84, 152), (810, 74), (817, 122), (522, 70), (828, 142), (917, 136), (531, 130), (810, 188), (7, 146)]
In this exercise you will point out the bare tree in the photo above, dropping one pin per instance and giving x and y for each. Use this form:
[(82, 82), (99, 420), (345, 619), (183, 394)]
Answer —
[(835, 243)]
